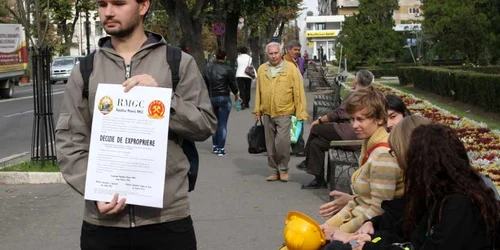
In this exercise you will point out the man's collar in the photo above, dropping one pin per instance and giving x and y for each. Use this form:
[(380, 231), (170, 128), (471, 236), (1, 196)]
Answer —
[(277, 66), (151, 38)]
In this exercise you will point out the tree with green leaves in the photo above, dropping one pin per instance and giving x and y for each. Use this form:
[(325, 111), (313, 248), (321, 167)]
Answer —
[(462, 29), (64, 14), (265, 19), (369, 36), (191, 17)]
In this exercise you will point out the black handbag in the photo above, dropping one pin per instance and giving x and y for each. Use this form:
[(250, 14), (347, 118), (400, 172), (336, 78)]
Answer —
[(256, 139), (249, 70)]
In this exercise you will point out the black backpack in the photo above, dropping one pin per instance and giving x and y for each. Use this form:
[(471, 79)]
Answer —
[(174, 56)]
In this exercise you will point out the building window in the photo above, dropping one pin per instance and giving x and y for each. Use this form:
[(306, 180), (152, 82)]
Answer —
[(98, 28), (413, 10), (320, 26)]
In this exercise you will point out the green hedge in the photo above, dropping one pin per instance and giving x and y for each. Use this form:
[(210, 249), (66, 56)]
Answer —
[(486, 70), (470, 87), (380, 72)]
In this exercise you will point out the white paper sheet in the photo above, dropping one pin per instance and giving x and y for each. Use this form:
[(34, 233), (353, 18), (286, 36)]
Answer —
[(128, 147)]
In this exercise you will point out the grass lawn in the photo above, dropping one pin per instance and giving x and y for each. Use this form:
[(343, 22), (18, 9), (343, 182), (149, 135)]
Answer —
[(29, 166), (455, 107)]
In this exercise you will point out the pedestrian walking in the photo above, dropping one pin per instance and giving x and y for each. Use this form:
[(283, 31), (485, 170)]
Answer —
[(243, 79), (220, 81), (131, 56), (293, 56), (279, 95)]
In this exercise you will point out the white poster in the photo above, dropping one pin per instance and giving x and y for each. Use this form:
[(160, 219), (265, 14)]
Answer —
[(128, 146)]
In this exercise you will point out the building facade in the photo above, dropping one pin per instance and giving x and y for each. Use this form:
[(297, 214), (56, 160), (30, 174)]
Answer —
[(79, 46), (347, 7), (409, 12), (322, 32), (327, 7)]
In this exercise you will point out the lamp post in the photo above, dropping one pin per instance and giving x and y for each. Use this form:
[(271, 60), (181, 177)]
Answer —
[(87, 29), (320, 54), (411, 52)]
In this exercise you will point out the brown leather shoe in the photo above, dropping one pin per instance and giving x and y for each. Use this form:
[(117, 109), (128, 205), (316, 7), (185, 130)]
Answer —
[(273, 177), (284, 177)]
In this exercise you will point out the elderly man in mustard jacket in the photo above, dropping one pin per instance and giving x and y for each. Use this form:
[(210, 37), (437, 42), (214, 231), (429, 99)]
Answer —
[(279, 95)]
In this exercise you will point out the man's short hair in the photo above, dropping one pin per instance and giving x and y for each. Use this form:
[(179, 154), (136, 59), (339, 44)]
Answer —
[(364, 78), (220, 54), (243, 50), (292, 44), (273, 44)]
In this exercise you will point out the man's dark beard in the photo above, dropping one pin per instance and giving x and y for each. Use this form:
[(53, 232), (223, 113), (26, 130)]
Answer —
[(123, 33)]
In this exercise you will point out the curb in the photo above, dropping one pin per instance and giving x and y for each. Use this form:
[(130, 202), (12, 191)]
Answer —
[(30, 178), (12, 159)]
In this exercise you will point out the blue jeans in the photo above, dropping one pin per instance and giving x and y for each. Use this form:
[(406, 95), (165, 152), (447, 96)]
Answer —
[(222, 106)]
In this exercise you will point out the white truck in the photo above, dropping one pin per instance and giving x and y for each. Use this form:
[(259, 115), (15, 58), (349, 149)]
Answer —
[(13, 57)]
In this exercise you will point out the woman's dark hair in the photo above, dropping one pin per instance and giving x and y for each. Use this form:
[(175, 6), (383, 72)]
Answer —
[(243, 50), (438, 166), (395, 103), (220, 54)]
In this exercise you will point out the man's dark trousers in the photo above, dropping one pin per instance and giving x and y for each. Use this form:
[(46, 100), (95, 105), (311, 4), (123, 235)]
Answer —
[(317, 144), (298, 148), (245, 87), (173, 235)]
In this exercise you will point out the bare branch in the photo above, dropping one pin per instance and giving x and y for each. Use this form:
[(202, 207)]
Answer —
[(75, 18), (18, 18), (46, 23)]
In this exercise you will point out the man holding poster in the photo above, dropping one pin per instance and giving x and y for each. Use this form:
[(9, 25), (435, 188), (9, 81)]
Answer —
[(112, 144)]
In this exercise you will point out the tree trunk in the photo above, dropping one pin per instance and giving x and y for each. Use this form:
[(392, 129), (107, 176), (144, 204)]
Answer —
[(231, 38), (173, 30), (255, 47), (191, 27), (67, 39)]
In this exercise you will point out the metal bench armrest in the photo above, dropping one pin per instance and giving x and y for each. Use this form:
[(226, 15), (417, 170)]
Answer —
[(344, 143)]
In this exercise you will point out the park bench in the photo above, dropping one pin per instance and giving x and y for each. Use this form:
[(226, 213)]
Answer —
[(343, 161), (327, 99)]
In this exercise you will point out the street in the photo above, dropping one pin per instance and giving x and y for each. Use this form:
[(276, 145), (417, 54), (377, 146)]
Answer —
[(16, 119)]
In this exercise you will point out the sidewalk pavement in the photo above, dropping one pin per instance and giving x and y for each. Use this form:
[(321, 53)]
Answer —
[(233, 206)]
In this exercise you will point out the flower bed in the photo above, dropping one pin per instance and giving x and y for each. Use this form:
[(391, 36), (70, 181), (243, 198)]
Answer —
[(482, 144)]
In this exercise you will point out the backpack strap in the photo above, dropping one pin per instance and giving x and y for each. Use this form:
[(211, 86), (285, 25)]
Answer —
[(86, 67), (368, 153), (174, 56)]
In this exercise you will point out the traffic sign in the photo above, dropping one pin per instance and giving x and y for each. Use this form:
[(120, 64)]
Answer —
[(219, 28)]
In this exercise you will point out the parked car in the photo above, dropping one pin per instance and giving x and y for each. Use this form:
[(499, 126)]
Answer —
[(62, 67)]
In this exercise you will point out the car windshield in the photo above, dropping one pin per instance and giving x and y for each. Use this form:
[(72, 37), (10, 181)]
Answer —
[(67, 61)]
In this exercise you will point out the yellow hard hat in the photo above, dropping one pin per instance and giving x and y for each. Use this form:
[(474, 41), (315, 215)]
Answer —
[(302, 233)]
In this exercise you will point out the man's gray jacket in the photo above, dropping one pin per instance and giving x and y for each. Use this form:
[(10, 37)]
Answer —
[(191, 118)]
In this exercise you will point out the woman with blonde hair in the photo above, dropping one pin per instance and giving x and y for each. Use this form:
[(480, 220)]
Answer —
[(378, 178)]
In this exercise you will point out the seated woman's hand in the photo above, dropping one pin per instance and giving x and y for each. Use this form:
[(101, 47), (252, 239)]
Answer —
[(367, 228), (360, 238), (329, 231), (333, 207), (341, 236)]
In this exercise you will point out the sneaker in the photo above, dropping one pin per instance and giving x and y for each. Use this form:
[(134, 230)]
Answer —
[(221, 152), (214, 150)]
